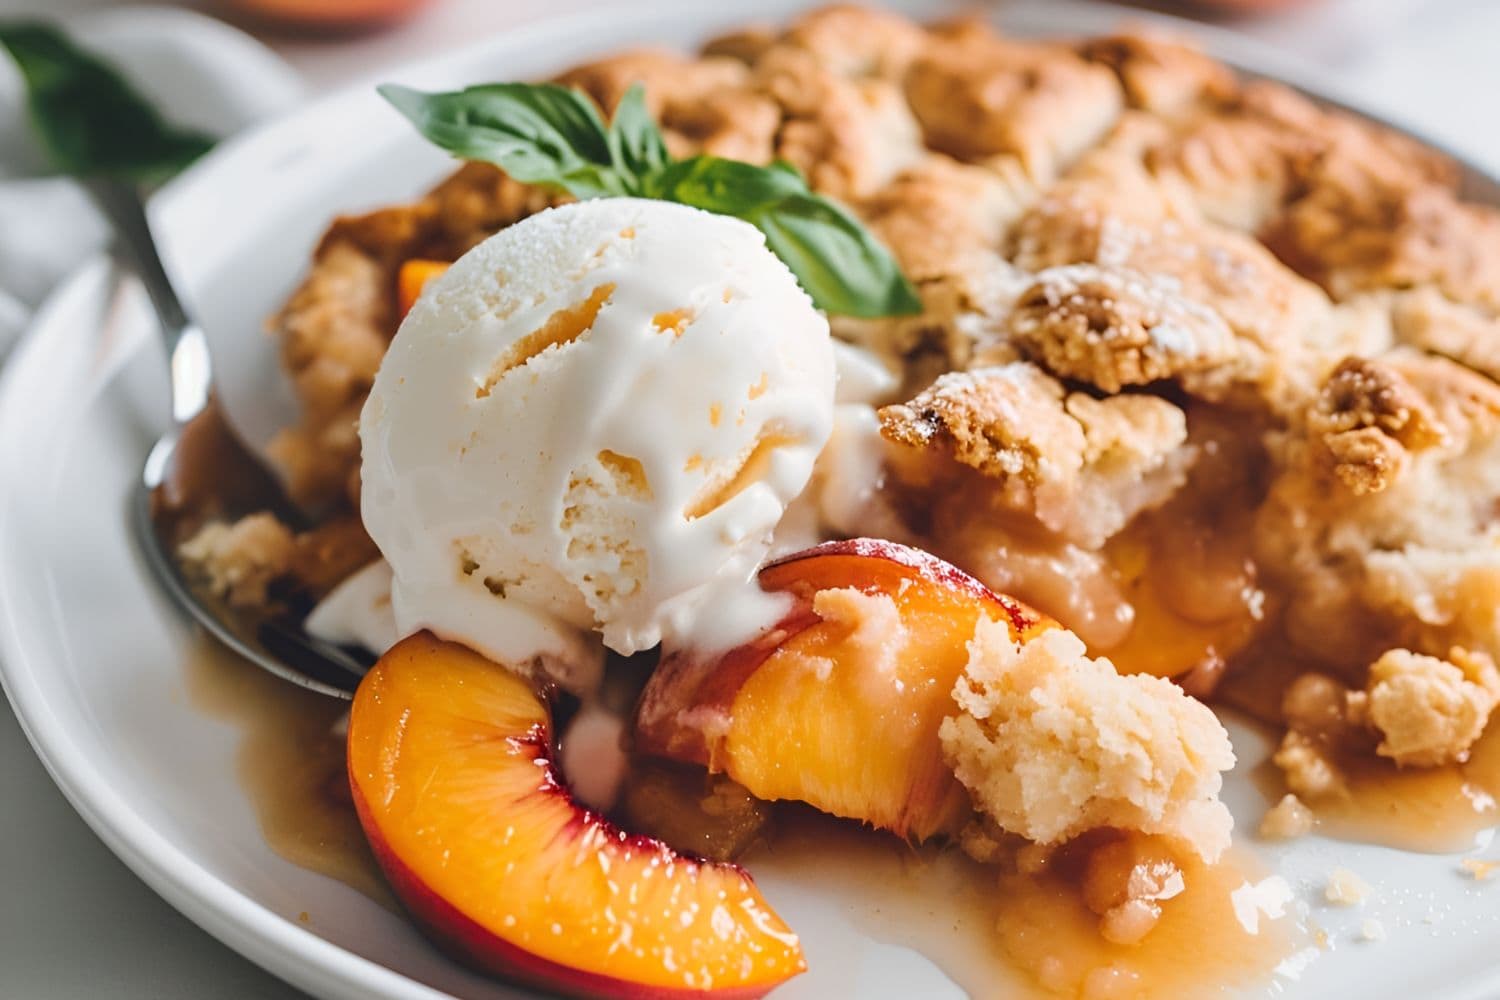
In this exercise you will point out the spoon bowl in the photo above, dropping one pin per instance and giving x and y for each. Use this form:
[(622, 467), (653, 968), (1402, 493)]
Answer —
[(200, 468)]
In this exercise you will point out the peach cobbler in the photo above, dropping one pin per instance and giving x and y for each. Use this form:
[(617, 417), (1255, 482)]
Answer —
[(1197, 406)]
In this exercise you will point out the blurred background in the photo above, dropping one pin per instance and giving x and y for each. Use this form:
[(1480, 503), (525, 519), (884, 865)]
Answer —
[(73, 921), (1426, 48)]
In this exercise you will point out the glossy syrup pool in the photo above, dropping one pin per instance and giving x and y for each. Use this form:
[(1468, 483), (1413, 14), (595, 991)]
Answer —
[(991, 935), (1436, 810), (290, 762)]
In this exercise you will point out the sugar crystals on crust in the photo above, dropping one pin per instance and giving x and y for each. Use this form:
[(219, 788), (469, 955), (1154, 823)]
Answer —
[(1083, 466), (1114, 327)]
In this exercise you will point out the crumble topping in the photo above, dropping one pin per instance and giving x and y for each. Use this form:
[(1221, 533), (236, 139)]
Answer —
[(703, 104), (1307, 768), (1051, 744), (1113, 214), (1288, 819), (242, 562), (945, 221), (1083, 466), (1248, 158), (1430, 711), (1428, 320), (874, 625), (1367, 223), (239, 561), (1369, 417), (856, 41), (849, 136), (1345, 888), (1115, 327), (1417, 710), (1400, 549), (334, 329), (1478, 870), (979, 95), (1161, 75)]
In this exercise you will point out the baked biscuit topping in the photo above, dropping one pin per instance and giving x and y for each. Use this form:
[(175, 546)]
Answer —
[(1429, 710), (978, 95), (1163, 76), (1051, 744), (1114, 327), (1081, 466), (1369, 417)]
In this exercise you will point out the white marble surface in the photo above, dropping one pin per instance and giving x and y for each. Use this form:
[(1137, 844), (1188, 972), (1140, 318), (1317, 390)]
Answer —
[(74, 922)]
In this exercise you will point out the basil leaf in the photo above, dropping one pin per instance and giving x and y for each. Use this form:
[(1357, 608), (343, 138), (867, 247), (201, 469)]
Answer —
[(636, 144), (727, 187), (836, 260), (845, 270), (89, 120), (540, 134), (548, 135)]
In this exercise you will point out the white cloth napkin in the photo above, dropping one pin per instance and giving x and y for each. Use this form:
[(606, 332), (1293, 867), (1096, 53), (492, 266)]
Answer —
[(198, 71)]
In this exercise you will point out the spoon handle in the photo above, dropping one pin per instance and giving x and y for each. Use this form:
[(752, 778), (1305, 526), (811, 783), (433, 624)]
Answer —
[(187, 350)]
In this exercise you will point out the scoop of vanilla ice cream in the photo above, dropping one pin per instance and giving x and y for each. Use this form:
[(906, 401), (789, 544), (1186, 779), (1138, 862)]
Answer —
[(593, 420)]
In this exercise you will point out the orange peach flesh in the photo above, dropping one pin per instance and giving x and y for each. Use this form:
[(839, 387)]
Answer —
[(412, 278), (451, 775), (840, 710)]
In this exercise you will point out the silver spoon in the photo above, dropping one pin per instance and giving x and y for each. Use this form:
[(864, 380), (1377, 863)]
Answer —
[(236, 480)]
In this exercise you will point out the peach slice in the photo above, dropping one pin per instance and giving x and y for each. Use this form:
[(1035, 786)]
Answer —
[(839, 705), (450, 766), (412, 278)]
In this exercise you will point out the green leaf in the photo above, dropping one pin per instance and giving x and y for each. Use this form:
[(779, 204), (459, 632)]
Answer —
[(636, 144), (540, 134), (89, 120), (835, 259), (728, 187), (551, 136)]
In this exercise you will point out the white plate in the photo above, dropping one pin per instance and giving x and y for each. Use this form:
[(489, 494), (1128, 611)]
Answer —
[(93, 658)]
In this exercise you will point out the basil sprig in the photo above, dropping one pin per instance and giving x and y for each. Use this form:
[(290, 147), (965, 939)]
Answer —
[(89, 120), (552, 136)]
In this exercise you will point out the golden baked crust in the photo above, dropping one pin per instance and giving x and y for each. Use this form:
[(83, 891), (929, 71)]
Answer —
[(1428, 710), (1394, 546), (979, 95), (334, 329), (1154, 295), (1370, 417), (1428, 320), (1162, 75), (1015, 421), (1081, 466), (1114, 327)]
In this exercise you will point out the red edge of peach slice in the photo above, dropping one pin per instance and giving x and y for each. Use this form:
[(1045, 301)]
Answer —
[(472, 940), (927, 565)]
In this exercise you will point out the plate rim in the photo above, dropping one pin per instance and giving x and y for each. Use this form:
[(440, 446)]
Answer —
[(306, 960), (228, 915)]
